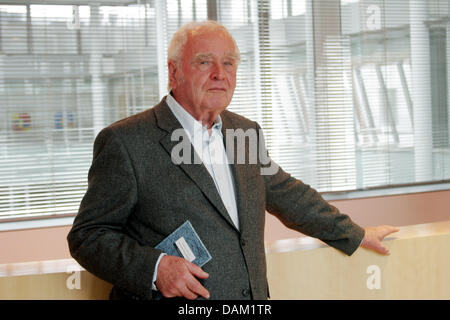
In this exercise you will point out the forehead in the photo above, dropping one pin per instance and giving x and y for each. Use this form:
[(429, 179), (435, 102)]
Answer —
[(209, 42)]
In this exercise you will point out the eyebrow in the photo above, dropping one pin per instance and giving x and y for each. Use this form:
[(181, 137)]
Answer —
[(200, 56)]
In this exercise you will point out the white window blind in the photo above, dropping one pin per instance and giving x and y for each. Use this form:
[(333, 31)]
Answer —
[(400, 90), (66, 71), (351, 94)]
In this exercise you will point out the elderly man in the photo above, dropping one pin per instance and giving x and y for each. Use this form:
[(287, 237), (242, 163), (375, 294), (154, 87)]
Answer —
[(138, 194)]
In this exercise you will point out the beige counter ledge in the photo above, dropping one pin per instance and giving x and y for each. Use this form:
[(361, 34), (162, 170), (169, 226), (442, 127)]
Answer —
[(61, 279), (417, 268), (301, 268)]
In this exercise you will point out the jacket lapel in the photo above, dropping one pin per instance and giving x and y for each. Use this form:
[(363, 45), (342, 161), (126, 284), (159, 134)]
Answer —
[(239, 173), (196, 171)]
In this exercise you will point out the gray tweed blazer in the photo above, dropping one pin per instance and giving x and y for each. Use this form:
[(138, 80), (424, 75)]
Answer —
[(137, 196)]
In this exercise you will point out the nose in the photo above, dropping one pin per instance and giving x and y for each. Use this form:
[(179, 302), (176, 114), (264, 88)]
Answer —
[(218, 73)]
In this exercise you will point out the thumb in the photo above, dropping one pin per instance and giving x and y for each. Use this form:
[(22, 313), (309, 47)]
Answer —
[(197, 271), (381, 248)]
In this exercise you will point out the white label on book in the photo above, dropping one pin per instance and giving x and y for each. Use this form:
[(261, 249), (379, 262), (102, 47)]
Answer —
[(185, 250)]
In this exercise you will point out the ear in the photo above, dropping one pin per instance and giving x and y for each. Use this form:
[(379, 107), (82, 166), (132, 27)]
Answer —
[(173, 73)]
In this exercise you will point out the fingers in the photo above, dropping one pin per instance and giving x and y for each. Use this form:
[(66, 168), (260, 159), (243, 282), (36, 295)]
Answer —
[(393, 229), (182, 291), (177, 278), (387, 230), (194, 285), (197, 289), (191, 289), (197, 271)]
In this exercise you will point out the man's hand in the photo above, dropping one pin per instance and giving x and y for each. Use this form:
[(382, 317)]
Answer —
[(177, 278), (374, 236)]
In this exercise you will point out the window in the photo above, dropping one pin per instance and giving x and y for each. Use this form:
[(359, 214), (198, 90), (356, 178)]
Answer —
[(351, 94)]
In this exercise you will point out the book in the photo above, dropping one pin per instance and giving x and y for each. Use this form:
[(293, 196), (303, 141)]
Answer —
[(184, 242)]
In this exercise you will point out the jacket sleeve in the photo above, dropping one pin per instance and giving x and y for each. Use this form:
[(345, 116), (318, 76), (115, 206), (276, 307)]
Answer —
[(98, 240), (300, 207)]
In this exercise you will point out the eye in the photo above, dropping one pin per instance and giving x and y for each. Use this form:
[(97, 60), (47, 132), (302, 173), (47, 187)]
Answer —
[(229, 63)]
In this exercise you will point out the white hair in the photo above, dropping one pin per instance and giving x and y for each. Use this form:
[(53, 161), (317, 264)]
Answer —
[(180, 37)]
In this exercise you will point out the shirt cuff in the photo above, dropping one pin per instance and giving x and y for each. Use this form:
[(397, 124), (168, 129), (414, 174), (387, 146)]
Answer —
[(362, 240), (155, 273)]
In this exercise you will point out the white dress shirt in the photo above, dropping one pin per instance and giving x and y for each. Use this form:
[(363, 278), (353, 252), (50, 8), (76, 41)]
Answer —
[(211, 150)]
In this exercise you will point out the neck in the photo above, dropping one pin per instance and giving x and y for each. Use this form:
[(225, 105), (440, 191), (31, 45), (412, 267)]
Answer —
[(205, 117)]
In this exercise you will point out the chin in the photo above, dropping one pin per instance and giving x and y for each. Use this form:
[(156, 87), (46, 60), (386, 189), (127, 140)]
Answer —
[(218, 104)]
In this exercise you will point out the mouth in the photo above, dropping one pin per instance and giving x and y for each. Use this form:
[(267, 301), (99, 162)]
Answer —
[(217, 89)]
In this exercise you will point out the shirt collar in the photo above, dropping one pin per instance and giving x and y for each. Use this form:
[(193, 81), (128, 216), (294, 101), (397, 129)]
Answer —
[(188, 122)]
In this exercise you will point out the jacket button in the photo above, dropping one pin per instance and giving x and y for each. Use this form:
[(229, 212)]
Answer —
[(243, 242), (246, 292)]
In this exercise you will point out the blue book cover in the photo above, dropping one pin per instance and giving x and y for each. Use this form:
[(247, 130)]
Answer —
[(184, 242)]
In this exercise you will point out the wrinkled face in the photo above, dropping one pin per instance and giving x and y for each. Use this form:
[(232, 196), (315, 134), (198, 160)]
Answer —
[(207, 78)]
